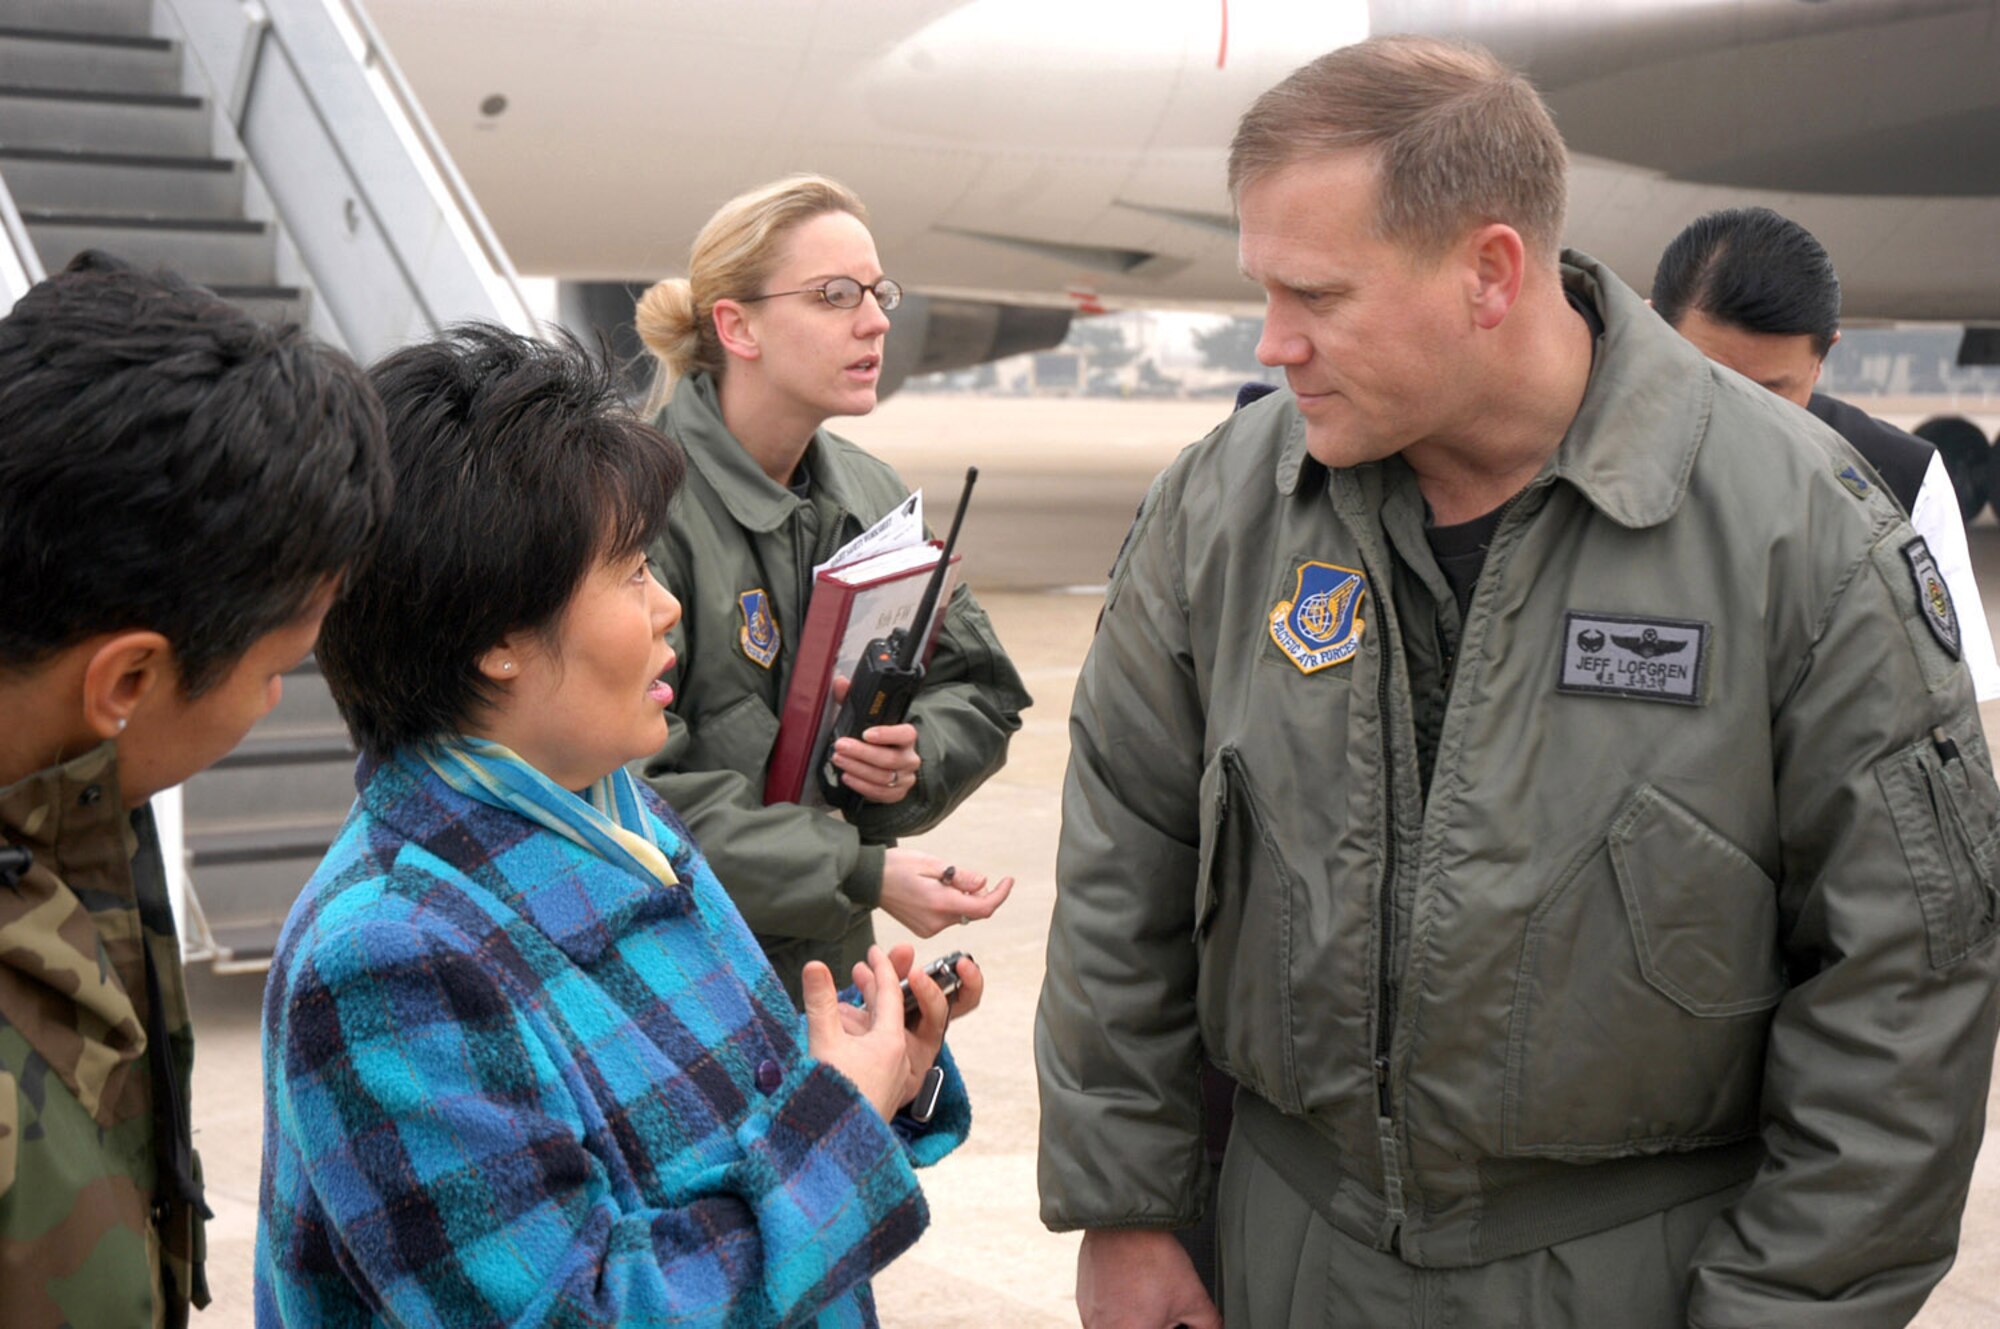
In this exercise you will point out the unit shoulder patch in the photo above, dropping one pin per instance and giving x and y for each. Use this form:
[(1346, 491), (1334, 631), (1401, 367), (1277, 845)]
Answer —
[(759, 634), (1622, 655), (1850, 475), (1934, 597), (1321, 624)]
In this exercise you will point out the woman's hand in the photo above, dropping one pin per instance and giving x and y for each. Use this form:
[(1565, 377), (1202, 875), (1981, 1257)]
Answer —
[(866, 1043), (927, 895), (881, 764), (935, 1011)]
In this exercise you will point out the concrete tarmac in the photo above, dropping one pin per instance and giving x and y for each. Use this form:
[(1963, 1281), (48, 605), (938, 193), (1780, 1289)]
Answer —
[(1059, 482)]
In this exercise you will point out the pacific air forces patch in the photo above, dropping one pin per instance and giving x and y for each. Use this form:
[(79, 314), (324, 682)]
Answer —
[(1940, 616), (759, 633), (1321, 624)]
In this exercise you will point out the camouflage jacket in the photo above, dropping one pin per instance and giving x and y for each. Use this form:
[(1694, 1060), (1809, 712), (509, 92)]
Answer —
[(100, 1191)]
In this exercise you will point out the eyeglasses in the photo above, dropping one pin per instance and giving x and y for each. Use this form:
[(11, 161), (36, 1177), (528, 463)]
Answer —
[(843, 293)]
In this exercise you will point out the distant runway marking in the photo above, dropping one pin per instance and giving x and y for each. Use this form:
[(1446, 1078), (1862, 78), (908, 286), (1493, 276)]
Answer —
[(1080, 589)]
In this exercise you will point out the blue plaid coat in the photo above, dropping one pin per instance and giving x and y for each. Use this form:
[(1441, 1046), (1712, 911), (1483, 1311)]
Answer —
[(507, 1082)]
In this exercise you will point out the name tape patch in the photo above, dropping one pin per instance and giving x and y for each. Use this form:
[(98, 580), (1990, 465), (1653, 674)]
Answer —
[(1933, 596), (1618, 655), (1321, 624)]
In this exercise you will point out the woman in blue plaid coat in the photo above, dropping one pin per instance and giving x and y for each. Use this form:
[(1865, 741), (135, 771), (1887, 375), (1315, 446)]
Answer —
[(523, 1062)]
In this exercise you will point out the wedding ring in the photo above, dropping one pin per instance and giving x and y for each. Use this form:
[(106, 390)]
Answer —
[(965, 920), (893, 777)]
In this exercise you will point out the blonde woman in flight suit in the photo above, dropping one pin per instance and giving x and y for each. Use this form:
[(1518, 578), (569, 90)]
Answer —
[(778, 327)]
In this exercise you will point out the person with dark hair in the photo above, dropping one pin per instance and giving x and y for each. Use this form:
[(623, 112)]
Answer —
[(1757, 293), (181, 489), (523, 1062), (1534, 764)]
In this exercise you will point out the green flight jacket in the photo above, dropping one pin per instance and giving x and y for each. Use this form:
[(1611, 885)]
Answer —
[(807, 881), (1666, 920), (100, 1189)]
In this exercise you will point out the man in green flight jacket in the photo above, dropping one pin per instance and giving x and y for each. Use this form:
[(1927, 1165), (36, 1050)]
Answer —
[(1537, 766)]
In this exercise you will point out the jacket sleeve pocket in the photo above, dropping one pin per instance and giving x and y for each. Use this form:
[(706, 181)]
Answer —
[(1704, 916), (1948, 820)]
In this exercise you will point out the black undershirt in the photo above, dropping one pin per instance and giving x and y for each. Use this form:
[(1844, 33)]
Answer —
[(1460, 549)]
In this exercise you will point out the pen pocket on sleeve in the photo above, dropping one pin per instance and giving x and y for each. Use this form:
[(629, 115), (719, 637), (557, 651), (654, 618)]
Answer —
[(1947, 816)]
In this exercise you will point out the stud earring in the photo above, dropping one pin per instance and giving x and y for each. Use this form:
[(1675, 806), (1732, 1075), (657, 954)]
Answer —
[(507, 666), (121, 724)]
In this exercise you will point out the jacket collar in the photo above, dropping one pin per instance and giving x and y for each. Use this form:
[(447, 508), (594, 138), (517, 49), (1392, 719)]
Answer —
[(578, 900), (1633, 442), (73, 813), (71, 926), (1632, 445), (693, 418)]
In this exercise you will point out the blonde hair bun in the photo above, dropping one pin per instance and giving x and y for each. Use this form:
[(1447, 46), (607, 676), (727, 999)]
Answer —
[(666, 322)]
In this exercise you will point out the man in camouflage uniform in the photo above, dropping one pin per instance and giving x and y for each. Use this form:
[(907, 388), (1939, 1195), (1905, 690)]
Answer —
[(180, 489)]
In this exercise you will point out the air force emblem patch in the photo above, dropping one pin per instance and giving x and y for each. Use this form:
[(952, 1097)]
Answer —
[(1933, 597), (1650, 659), (1321, 624), (759, 633)]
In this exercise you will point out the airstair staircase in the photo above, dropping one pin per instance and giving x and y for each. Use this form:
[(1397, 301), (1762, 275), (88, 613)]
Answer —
[(269, 150)]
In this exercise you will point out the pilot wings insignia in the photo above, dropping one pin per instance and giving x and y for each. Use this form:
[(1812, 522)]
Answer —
[(1650, 645)]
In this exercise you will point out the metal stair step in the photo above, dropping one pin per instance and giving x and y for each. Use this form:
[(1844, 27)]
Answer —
[(87, 61), (129, 18), (104, 122), (216, 253), (129, 184), (273, 304), (224, 803), (272, 842), (247, 876)]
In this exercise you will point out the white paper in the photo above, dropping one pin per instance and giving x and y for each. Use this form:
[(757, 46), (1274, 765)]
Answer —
[(900, 527)]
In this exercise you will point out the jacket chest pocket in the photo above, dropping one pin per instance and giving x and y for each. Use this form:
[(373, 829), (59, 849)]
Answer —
[(1244, 897), (736, 738), (1646, 981)]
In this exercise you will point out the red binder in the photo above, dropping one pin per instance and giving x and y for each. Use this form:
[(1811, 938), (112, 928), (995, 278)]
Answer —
[(850, 607)]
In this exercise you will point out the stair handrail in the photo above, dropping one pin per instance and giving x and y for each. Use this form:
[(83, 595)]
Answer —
[(409, 244), (20, 264), (375, 54)]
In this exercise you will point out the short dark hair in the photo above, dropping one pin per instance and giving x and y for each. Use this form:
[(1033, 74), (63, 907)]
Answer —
[(519, 468), (170, 463), (1754, 269)]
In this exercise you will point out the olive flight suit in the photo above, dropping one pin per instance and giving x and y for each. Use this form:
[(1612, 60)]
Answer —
[(739, 553), (1649, 978)]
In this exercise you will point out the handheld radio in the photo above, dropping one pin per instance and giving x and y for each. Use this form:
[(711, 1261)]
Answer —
[(889, 673)]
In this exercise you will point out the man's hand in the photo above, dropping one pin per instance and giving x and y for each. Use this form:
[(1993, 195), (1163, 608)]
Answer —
[(881, 764), (1139, 1278), (927, 894)]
